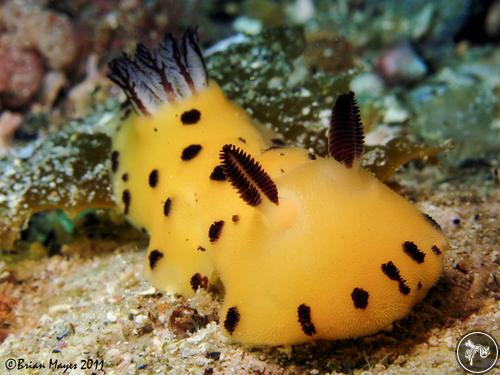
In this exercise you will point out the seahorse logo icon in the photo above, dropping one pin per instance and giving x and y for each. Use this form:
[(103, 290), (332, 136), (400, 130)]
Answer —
[(483, 351), (477, 352)]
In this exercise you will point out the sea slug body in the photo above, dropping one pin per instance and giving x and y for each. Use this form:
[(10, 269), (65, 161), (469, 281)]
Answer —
[(306, 247)]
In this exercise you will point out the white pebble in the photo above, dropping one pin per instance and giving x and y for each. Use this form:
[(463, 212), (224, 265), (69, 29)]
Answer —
[(247, 25), (59, 308), (140, 319), (111, 317)]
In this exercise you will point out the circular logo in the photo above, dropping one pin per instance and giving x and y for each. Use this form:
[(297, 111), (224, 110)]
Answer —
[(477, 352)]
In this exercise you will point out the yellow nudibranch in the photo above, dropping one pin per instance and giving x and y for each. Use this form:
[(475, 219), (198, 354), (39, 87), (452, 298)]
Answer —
[(306, 247)]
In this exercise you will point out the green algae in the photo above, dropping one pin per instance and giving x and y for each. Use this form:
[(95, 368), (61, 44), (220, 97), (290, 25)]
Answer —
[(384, 160), (270, 79), (65, 170), (373, 24), (465, 114)]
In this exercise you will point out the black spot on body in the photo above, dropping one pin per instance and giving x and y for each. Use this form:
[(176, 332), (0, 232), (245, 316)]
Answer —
[(360, 298), (190, 152), (198, 281), (218, 174), (419, 285), (125, 177), (126, 198), (403, 288), (232, 319), (436, 250), (215, 230), (413, 252), (153, 178), (242, 140), (304, 314), (432, 222), (154, 257), (235, 218), (392, 272), (167, 206), (115, 156), (191, 117), (201, 248)]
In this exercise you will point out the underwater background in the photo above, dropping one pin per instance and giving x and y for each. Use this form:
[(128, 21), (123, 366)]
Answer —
[(427, 78)]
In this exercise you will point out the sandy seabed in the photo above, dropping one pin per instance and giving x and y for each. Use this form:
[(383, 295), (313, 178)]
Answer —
[(95, 304)]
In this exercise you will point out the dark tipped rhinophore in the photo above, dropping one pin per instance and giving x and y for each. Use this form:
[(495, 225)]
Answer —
[(168, 73), (345, 141), (247, 176)]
